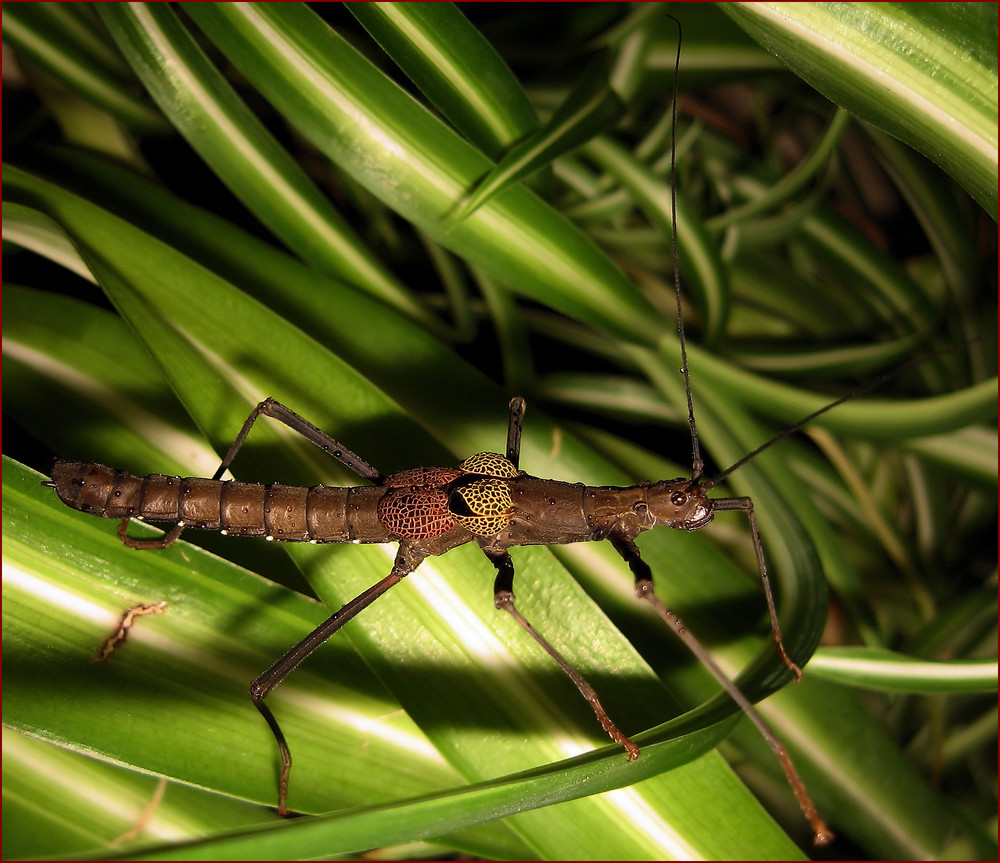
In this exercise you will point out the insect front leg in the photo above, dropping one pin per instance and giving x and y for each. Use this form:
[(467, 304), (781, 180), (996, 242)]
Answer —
[(407, 559), (626, 547), (629, 551), (745, 504), (503, 597)]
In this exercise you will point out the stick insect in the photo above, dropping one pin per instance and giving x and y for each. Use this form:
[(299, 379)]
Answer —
[(487, 500)]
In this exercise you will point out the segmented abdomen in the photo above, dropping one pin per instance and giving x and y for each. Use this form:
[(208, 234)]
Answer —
[(282, 512)]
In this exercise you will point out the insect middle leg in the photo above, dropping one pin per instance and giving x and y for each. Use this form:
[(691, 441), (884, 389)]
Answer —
[(503, 597), (276, 410), (514, 430)]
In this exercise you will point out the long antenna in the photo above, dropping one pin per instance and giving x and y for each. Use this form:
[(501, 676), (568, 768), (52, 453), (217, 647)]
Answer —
[(822, 835), (881, 379), (697, 465)]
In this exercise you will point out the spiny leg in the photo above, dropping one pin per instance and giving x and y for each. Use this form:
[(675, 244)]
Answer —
[(263, 685), (514, 430), (503, 597), (626, 547), (276, 410), (745, 504)]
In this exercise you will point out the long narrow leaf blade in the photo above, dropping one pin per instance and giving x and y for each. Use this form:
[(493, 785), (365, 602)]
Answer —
[(940, 93)]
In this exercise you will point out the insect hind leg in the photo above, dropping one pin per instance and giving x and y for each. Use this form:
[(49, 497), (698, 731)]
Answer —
[(144, 544), (276, 410), (407, 559)]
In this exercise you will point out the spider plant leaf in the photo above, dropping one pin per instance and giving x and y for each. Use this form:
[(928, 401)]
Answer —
[(926, 74), (454, 67), (67, 48), (423, 166), (897, 672), (244, 154), (592, 107)]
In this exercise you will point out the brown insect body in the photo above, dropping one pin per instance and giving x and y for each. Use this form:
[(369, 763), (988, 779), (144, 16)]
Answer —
[(281, 512), (415, 505), (550, 512), (428, 511)]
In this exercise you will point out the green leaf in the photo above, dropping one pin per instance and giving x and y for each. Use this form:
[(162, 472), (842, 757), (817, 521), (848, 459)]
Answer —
[(872, 526), (886, 670), (454, 67), (925, 73), (97, 803), (224, 131), (591, 108), (701, 267), (68, 49), (349, 109)]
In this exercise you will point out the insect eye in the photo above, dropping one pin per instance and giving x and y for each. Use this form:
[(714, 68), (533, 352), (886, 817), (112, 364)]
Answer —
[(490, 464), (678, 498)]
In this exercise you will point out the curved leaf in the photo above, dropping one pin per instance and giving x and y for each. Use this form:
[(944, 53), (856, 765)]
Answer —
[(926, 74), (454, 67), (891, 514), (353, 112)]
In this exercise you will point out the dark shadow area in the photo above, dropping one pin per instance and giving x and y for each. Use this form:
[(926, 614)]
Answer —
[(640, 703)]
